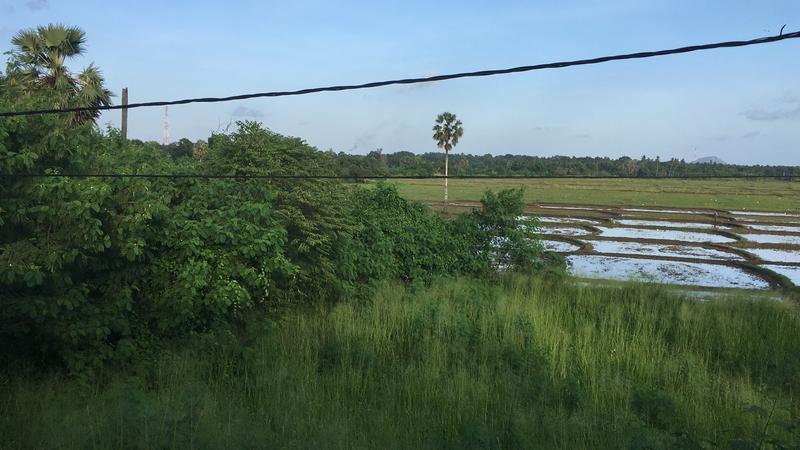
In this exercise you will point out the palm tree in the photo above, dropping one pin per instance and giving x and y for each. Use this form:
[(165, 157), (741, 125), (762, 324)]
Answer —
[(446, 133), (39, 58)]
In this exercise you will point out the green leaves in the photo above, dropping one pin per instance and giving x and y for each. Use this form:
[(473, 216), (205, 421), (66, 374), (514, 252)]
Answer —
[(38, 63), (95, 270)]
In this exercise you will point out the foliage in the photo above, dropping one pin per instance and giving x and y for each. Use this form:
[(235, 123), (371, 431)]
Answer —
[(429, 164), (397, 239), (447, 131), (503, 234), (105, 270), (529, 362), (38, 60)]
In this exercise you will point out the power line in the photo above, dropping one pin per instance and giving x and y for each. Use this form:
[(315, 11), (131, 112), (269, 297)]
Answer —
[(384, 177), (375, 84)]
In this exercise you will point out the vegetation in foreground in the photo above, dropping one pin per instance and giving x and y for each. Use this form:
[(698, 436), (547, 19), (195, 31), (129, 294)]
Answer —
[(525, 363)]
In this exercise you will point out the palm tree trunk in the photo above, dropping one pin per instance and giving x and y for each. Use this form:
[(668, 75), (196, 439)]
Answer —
[(446, 153)]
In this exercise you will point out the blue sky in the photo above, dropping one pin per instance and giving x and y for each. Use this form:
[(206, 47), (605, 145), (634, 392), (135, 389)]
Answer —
[(742, 105)]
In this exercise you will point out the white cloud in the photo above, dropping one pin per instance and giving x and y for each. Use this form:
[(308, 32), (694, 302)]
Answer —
[(751, 135), (36, 5), (243, 111), (774, 114)]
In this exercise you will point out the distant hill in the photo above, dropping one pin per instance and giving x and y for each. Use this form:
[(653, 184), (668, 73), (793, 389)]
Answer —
[(708, 160)]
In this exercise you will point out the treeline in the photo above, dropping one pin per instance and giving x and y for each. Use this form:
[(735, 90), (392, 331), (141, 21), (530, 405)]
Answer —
[(377, 163)]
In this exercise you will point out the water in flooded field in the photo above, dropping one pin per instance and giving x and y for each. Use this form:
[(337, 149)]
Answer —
[(655, 245), (668, 250), (665, 235), (661, 271), (559, 246)]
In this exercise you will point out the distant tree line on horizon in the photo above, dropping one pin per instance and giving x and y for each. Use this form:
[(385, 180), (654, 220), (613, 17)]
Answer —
[(430, 164), (404, 163)]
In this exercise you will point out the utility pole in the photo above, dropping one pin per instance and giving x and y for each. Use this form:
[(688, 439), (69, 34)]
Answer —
[(166, 125), (124, 114)]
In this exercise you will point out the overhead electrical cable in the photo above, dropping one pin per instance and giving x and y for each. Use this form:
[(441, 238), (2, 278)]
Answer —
[(375, 84)]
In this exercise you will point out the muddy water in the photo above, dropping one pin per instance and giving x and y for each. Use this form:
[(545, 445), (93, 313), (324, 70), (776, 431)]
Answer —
[(762, 213), (567, 220), (563, 231), (771, 239), (671, 272), (582, 208), (775, 255), (790, 272), (559, 247), (677, 242), (665, 211), (677, 251), (667, 235), (784, 228), (668, 224)]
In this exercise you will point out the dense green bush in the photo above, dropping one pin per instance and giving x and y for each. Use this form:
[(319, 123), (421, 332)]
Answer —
[(99, 270)]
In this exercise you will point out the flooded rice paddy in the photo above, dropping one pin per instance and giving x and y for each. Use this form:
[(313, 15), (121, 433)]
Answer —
[(712, 249), (763, 213), (663, 211), (772, 255), (785, 228), (790, 272), (668, 224), (568, 220), (772, 239), (564, 231), (669, 250), (661, 271), (665, 235), (559, 246)]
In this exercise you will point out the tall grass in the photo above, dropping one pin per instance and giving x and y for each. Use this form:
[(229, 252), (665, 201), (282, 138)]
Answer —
[(525, 363)]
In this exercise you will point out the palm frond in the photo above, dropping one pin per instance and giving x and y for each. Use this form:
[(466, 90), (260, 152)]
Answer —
[(447, 130), (67, 41)]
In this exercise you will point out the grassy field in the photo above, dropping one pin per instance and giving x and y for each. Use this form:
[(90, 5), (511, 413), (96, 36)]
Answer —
[(768, 195), (527, 363)]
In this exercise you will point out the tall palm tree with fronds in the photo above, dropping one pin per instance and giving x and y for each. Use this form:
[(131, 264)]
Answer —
[(39, 60), (446, 133)]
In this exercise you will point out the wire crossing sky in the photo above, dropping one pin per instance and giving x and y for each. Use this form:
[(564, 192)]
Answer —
[(434, 78), (741, 105)]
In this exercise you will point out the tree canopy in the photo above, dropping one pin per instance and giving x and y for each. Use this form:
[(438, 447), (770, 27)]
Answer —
[(39, 60)]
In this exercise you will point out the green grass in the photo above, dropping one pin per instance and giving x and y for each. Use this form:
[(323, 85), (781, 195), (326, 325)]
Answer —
[(527, 363), (767, 195)]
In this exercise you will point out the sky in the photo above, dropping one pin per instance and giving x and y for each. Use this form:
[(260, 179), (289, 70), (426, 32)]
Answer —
[(742, 105)]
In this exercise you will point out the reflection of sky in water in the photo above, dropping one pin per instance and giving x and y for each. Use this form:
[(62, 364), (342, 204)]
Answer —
[(678, 251), (667, 224), (790, 272), (563, 231), (667, 235), (558, 246), (771, 239), (774, 255), (669, 272)]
